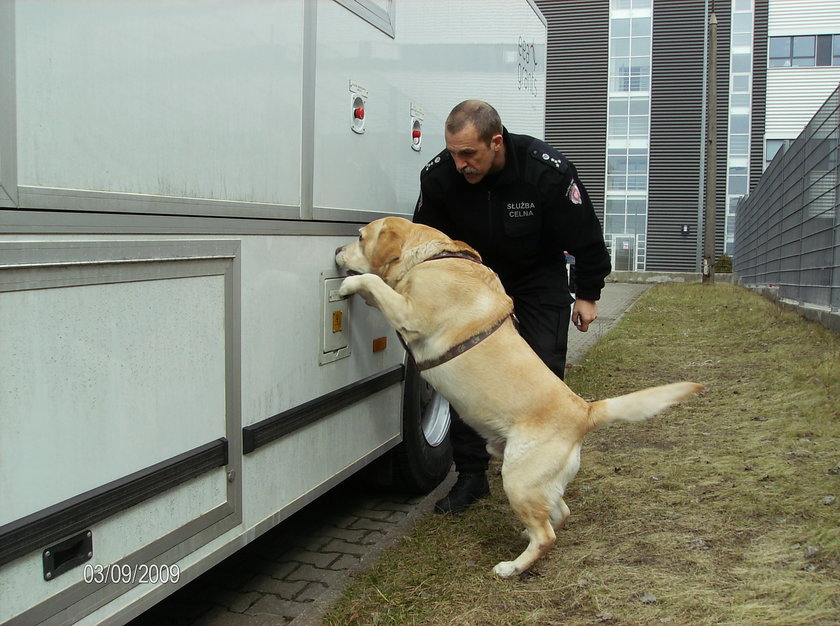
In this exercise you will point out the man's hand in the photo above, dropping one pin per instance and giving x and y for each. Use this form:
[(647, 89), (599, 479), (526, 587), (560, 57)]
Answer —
[(583, 314)]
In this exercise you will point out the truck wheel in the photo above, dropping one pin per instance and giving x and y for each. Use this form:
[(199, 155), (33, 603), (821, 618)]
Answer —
[(424, 457)]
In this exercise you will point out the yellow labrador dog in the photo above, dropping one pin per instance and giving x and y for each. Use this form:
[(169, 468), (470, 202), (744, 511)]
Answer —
[(455, 317)]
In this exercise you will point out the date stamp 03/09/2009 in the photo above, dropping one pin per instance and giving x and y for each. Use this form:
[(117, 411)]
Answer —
[(125, 573)]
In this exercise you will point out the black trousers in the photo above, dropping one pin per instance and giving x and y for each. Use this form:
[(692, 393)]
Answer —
[(546, 329)]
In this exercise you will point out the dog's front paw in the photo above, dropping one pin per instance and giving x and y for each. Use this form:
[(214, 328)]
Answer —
[(350, 285), (505, 569)]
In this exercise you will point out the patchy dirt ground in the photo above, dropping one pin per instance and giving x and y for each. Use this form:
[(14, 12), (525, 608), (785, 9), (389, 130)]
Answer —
[(721, 511)]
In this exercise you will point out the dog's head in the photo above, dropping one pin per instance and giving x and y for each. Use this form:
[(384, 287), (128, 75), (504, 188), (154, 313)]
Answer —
[(390, 246)]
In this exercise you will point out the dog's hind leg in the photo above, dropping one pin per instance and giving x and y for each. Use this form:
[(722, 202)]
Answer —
[(540, 538), (530, 499), (537, 498), (560, 511), (559, 514)]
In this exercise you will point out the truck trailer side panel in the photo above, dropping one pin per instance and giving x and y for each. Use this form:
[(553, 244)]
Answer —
[(177, 372)]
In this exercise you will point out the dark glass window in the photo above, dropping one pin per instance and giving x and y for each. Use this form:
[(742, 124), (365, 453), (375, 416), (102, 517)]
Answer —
[(824, 49), (780, 51), (772, 147), (742, 22), (741, 63), (805, 51)]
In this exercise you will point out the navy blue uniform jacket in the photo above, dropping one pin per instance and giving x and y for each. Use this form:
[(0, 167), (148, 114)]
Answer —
[(521, 220)]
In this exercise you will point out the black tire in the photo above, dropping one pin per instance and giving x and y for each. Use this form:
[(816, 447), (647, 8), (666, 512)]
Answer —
[(424, 457)]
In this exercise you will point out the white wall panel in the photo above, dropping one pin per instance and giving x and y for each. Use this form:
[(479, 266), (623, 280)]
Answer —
[(136, 322), (114, 538), (794, 95), (469, 50), (803, 17), (287, 469), (282, 321), (194, 99), (100, 381)]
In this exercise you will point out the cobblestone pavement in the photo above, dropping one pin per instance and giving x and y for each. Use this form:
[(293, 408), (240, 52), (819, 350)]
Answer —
[(293, 573)]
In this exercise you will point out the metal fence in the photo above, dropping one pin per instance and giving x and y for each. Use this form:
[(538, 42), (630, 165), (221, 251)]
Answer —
[(787, 233)]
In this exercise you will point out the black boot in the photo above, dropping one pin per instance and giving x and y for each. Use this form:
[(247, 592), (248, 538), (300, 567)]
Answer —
[(467, 489)]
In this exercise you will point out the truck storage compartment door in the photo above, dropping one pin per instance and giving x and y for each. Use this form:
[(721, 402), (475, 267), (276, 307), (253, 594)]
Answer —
[(389, 73), (119, 408), (186, 108)]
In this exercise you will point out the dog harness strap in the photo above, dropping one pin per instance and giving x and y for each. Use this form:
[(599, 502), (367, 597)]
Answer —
[(461, 347), (469, 343), (453, 255)]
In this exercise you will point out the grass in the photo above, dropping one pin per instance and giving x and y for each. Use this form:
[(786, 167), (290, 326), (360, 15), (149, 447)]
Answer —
[(719, 511)]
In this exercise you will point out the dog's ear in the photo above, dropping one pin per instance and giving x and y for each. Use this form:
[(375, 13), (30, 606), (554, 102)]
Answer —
[(387, 250)]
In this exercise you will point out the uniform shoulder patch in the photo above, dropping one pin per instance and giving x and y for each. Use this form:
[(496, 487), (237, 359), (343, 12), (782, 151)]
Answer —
[(573, 193), (548, 156), (437, 160)]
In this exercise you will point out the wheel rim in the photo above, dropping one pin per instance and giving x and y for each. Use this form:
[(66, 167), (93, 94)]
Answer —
[(435, 416)]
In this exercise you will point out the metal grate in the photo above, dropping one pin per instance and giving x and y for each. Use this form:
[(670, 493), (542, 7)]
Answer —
[(787, 234)]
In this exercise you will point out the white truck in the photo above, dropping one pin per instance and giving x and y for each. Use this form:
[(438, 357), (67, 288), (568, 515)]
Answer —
[(177, 372)]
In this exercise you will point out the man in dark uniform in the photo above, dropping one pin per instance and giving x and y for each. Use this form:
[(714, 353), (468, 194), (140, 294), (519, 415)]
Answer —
[(519, 203)]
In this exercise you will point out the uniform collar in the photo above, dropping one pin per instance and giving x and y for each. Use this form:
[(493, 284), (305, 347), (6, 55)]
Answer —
[(508, 173)]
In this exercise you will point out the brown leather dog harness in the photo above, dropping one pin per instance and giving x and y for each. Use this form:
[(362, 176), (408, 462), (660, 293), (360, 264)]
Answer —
[(464, 345), (463, 254)]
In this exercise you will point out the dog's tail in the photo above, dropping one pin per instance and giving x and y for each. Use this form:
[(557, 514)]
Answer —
[(640, 405)]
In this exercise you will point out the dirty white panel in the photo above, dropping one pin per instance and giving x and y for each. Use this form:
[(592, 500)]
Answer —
[(443, 52), (8, 165), (289, 468), (100, 381), (184, 98), (283, 323), (22, 583)]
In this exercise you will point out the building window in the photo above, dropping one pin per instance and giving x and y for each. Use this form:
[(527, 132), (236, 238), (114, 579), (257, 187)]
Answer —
[(628, 131), (805, 51), (772, 148), (631, 4), (627, 169), (740, 111), (632, 78)]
